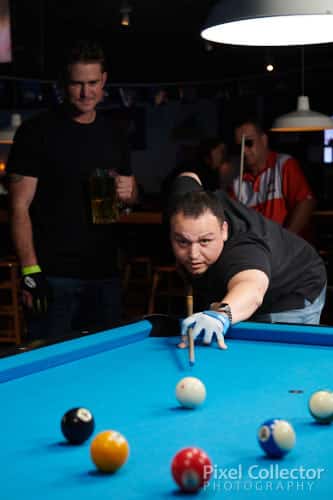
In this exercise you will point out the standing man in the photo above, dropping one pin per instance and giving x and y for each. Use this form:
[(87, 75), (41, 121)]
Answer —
[(69, 265), (273, 183)]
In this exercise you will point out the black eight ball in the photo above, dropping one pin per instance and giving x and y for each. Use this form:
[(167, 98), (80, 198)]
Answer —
[(77, 425)]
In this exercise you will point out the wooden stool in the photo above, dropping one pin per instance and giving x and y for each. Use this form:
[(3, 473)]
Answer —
[(11, 317), (172, 290), (140, 261)]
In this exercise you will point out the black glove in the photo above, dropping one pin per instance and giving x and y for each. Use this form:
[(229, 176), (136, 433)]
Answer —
[(38, 287)]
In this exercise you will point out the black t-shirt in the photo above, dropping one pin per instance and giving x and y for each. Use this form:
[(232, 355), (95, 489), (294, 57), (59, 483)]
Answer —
[(62, 154), (295, 270)]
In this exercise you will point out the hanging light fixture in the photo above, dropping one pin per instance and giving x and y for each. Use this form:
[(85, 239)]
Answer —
[(125, 10), (303, 119), (270, 22), (7, 134), (269, 61)]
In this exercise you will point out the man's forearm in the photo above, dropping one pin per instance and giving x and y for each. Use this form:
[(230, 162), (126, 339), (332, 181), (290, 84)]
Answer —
[(23, 237), (246, 291)]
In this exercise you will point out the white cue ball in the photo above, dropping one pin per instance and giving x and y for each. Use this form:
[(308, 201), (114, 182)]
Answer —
[(190, 392), (321, 406)]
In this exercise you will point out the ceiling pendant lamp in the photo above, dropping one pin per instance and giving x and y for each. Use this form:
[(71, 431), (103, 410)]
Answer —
[(270, 22), (125, 11), (303, 119)]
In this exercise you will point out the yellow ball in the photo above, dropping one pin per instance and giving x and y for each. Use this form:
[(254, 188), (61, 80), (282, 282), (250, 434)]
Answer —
[(109, 450)]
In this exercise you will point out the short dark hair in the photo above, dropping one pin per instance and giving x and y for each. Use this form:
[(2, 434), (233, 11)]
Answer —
[(83, 51), (253, 119), (195, 203), (206, 146)]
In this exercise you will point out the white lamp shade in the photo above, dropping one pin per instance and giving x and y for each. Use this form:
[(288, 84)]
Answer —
[(303, 119), (7, 134), (270, 22)]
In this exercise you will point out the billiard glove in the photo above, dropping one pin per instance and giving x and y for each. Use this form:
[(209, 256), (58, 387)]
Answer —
[(206, 324), (34, 282)]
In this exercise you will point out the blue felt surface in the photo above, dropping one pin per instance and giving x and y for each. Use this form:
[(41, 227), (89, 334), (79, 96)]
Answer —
[(292, 334), (131, 389), (65, 352)]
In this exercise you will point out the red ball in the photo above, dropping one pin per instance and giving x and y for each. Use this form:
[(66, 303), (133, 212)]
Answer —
[(191, 469)]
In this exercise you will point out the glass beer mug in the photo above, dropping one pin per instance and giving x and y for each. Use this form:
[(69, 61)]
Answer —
[(104, 204)]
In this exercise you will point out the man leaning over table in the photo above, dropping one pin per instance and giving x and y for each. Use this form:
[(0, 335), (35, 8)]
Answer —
[(240, 264)]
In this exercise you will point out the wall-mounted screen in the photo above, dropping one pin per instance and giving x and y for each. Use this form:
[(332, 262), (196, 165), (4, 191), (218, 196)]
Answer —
[(328, 146)]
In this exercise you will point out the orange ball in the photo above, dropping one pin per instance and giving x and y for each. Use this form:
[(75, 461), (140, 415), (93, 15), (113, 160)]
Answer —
[(109, 450)]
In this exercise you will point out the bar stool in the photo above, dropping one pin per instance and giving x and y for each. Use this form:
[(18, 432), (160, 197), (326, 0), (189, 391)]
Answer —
[(11, 316), (131, 270), (175, 287)]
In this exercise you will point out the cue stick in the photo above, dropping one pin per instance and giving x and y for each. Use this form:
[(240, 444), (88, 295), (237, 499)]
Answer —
[(241, 167), (189, 309)]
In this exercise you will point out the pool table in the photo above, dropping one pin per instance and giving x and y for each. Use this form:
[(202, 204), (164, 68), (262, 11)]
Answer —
[(127, 376)]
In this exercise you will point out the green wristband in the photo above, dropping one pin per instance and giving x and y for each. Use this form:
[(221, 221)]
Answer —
[(31, 270)]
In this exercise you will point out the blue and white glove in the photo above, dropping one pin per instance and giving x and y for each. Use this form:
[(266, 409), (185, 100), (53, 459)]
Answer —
[(209, 324)]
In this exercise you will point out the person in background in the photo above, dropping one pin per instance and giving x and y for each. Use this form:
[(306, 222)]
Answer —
[(213, 166), (209, 161), (273, 183), (69, 265), (240, 264)]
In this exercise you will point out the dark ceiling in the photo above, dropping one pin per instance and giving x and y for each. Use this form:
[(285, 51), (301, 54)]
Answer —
[(162, 44)]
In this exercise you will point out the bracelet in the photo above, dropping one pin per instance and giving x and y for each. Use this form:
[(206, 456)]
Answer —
[(31, 270), (225, 308)]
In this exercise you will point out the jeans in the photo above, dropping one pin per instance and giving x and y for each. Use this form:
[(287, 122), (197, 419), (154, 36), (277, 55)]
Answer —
[(309, 315), (77, 306)]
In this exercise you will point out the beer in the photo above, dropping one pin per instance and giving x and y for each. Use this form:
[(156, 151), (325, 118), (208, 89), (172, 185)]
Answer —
[(104, 205)]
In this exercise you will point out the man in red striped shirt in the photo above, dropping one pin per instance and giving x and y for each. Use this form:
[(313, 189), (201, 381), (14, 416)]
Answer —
[(273, 183)]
